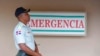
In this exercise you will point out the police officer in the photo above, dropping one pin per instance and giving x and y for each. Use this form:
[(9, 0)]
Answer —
[(24, 40)]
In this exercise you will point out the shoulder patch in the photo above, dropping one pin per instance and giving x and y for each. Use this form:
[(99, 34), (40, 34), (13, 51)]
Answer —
[(18, 32)]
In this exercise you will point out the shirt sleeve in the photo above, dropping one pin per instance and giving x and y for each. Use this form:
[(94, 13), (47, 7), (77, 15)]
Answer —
[(19, 35)]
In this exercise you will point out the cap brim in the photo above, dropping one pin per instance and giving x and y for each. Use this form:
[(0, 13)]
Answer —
[(28, 10)]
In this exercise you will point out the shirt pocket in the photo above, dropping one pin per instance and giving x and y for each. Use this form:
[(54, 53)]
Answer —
[(28, 36)]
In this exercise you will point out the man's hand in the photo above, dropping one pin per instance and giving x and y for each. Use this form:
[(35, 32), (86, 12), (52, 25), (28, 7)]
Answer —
[(40, 54), (36, 49), (37, 54)]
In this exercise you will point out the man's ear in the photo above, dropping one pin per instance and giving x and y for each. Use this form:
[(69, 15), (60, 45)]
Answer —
[(19, 17)]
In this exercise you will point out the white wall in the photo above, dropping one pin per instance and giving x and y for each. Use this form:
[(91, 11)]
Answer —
[(53, 46)]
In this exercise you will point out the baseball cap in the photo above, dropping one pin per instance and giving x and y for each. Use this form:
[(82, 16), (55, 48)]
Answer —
[(21, 10)]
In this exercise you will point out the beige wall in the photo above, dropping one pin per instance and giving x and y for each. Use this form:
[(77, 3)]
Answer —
[(53, 46)]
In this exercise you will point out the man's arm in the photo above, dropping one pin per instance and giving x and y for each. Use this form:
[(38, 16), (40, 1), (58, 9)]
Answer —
[(28, 50), (36, 48)]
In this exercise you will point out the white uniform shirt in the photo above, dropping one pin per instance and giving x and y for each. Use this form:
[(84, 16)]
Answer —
[(23, 34)]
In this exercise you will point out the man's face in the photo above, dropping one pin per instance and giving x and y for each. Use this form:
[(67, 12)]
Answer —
[(25, 17)]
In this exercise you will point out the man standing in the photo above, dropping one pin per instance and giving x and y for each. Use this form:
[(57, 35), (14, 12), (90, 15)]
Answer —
[(24, 40)]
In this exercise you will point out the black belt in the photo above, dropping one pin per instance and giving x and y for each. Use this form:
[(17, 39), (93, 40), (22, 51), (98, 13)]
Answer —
[(22, 53)]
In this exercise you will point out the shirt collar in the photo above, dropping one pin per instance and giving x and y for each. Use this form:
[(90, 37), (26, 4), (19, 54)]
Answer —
[(22, 23)]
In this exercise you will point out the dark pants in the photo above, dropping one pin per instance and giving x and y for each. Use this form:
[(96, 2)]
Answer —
[(22, 53)]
